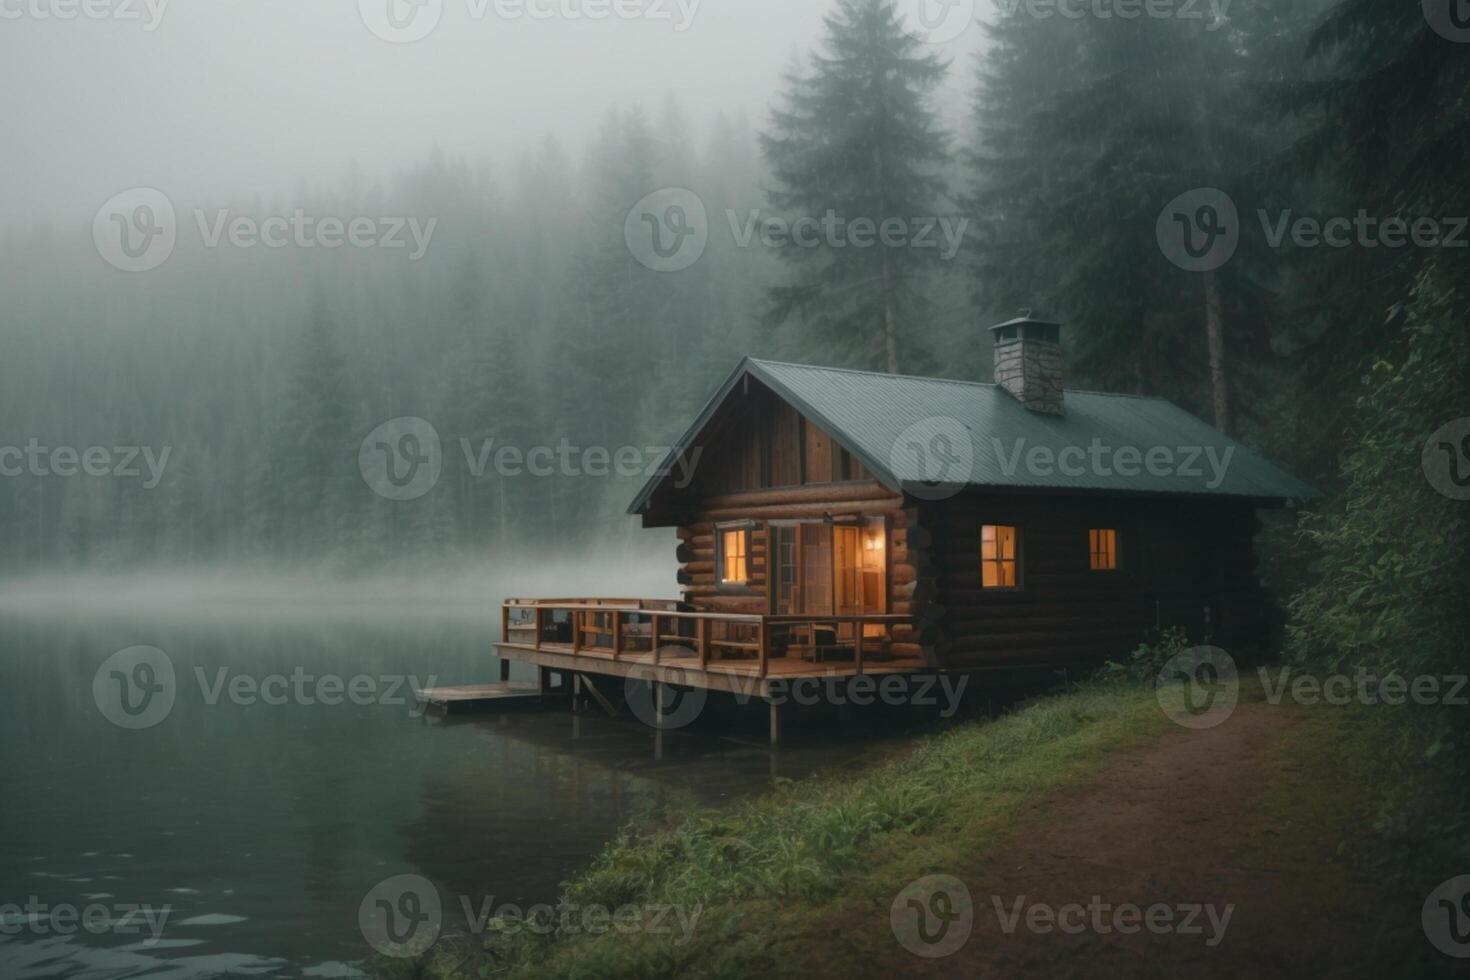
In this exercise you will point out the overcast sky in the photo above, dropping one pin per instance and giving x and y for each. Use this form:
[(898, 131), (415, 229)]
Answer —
[(229, 97)]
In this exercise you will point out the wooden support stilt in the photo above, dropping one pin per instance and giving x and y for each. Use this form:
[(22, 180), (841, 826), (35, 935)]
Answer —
[(658, 719), (576, 693), (589, 688), (775, 724), (504, 671)]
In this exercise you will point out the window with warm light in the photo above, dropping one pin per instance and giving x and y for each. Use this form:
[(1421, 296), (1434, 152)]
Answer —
[(1103, 546), (998, 564), (734, 556)]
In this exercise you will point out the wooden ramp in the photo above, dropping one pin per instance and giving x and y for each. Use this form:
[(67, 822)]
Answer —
[(485, 697)]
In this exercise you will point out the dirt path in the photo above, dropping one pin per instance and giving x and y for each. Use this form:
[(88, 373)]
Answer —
[(1176, 822)]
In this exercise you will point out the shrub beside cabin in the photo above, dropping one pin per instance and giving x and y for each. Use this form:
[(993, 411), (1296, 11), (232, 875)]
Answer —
[(844, 522)]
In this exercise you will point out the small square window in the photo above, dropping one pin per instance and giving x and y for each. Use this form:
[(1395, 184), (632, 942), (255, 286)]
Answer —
[(734, 560), (999, 568), (1103, 548)]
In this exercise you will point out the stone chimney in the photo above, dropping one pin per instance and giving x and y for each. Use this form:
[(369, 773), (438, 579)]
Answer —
[(1028, 362)]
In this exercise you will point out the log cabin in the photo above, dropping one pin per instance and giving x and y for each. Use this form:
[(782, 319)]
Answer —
[(845, 522)]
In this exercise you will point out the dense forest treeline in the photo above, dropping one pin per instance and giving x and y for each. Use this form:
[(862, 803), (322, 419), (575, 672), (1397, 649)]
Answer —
[(534, 317)]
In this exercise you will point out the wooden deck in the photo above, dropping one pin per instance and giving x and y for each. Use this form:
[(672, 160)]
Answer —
[(659, 641), (479, 697)]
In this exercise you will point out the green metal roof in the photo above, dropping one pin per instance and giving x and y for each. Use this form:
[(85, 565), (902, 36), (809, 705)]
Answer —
[(913, 433)]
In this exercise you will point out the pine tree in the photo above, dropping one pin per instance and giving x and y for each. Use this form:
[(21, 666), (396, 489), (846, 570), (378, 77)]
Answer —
[(315, 445), (855, 135), (1084, 132), (1385, 100)]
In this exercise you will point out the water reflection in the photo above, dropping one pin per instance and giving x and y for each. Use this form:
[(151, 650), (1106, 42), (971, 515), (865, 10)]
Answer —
[(260, 826)]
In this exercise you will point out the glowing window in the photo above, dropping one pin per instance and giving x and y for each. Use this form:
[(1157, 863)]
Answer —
[(1103, 547), (998, 566), (734, 547)]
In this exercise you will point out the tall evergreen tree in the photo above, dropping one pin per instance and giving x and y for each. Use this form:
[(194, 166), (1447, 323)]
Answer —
[(1084, 133), (855, 135)]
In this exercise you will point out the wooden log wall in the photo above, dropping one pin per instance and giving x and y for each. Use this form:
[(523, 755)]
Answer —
[(696, 532), (1177, 559)]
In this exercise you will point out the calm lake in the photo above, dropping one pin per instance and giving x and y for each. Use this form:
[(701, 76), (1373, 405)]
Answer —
[(260, 827)]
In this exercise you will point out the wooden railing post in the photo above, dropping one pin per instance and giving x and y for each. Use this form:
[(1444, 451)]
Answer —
[(576, 631), (617, 634), (701, 629), (765, 645), (540, 626), (653, 638), (505, 622), (857, 649)]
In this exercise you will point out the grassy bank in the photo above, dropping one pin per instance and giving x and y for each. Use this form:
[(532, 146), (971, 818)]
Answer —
[(1367, 801), (764, 875)]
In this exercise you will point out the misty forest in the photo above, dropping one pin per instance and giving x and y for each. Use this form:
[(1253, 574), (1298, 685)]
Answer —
[(528, 320)]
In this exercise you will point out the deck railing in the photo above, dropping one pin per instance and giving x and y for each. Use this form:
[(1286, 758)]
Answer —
[(664, 632)]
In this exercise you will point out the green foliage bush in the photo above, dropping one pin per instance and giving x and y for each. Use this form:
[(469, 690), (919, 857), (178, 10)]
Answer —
[(1393, 553)]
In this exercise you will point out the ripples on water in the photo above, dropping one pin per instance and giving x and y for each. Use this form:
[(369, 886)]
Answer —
[(259, 828)]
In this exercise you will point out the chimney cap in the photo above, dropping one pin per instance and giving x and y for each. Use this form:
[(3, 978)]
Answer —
[(1025, 319)]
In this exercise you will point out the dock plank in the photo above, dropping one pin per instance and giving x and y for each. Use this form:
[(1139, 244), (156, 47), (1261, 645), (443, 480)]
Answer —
[(482, 696)]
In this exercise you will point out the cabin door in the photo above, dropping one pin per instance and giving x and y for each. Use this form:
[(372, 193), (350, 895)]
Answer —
[(829, 570)]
